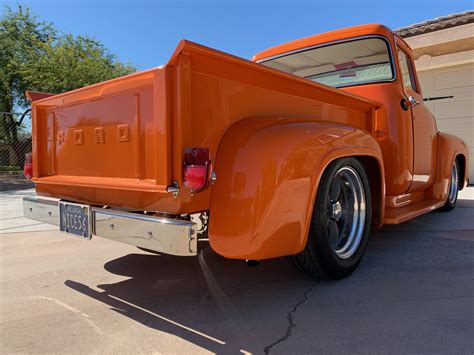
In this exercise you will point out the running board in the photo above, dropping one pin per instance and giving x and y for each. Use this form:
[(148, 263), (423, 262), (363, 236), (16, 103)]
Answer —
[(405, 213)]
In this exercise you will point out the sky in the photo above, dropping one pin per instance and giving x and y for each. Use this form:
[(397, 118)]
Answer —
[(145, 32)]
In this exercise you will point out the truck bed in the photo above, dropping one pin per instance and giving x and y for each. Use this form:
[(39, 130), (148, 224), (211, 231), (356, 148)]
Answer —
[(121, 143)]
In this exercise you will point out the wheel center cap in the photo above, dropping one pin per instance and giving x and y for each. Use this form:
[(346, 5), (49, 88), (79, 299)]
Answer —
[(336, 210)]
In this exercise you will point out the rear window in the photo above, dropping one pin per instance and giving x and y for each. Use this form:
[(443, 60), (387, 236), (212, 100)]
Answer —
[(349, 63)]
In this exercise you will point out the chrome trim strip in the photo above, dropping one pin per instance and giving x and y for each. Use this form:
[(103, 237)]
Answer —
[(164, 235), (345, 40)]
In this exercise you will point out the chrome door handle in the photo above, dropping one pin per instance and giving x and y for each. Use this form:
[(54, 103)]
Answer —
[(412, 101), (408, 103)]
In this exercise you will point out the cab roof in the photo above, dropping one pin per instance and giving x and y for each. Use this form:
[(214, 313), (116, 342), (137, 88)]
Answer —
[(332, 36)]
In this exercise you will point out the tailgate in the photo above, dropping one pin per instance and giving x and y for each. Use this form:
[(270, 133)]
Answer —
[(110, 135)]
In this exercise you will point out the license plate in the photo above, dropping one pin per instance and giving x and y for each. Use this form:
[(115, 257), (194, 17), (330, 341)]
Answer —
[(75, 219)]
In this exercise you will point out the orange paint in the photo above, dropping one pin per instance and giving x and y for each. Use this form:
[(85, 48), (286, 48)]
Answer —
[(270, 136)]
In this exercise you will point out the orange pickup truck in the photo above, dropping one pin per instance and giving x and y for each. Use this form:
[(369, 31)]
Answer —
[(298, 152)]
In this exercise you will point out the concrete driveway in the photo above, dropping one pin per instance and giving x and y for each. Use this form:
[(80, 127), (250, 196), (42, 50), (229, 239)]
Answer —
[(413, 293)]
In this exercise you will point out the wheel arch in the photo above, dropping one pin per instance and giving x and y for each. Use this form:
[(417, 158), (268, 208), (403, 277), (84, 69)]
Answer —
[(268, 171), (461, 160), (375, 175), (372, 162), (449, 149)]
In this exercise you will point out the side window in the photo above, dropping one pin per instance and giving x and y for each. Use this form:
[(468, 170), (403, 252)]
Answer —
[(406, 69)]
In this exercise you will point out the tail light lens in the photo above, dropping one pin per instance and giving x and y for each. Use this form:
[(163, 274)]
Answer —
[(28, 166), (197, 168)]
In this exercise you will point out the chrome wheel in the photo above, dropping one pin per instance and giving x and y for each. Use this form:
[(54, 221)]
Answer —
[(346, 212), (340, 224), (454, 184)]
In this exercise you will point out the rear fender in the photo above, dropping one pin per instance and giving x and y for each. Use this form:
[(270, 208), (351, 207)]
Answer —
[(448, 148), (268, 170)]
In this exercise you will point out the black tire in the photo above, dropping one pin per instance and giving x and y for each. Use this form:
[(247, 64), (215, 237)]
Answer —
[(453, 189), (320, 258)]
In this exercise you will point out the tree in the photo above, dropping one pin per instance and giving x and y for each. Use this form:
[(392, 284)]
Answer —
[(36, 56)]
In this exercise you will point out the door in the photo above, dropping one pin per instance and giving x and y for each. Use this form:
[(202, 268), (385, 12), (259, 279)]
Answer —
[(424, 126)]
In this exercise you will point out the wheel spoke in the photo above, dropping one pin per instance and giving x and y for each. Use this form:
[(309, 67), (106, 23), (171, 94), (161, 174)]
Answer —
[(335, 188), (346, 222)]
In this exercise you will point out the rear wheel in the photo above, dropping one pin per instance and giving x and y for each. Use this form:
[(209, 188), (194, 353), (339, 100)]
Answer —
[(453, 188), (340, 223)]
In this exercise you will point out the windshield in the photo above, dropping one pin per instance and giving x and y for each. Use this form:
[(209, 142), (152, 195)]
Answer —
[(343, 64)]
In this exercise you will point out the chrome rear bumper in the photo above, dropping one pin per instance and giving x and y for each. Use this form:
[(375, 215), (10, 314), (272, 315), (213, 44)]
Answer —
[(164, 235)]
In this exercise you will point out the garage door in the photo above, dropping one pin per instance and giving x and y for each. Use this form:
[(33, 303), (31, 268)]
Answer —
[(456, 115)]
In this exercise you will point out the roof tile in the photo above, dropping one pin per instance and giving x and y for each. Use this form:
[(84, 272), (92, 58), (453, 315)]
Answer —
[(436, 24)]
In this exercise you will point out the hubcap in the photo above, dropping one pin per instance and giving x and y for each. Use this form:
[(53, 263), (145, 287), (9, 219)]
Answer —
[(336, 210), (454, 185), (346, 212)]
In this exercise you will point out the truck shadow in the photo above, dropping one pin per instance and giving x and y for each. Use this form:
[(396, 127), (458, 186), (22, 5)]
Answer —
[(221, 305), (224, 306)]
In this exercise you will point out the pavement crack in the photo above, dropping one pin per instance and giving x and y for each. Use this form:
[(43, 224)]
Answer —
[(291, 322)]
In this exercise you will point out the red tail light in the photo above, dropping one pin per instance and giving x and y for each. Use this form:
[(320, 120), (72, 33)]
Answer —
[(28, 166), (197, 168)]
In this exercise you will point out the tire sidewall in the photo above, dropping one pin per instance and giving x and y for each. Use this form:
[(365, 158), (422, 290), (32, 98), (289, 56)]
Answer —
[(448, 206), (339, 267), (455, 164)]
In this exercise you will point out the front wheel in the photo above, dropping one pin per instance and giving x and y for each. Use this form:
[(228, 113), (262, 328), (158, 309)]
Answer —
[(340, 223), (453, 188)]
